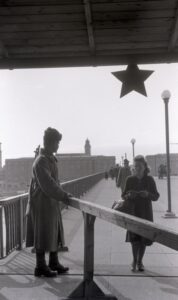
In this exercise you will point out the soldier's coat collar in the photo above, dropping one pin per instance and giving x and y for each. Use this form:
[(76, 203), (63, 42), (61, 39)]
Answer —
[(48, 155)]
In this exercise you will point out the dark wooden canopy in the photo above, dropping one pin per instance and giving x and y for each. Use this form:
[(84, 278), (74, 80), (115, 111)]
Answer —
[(54, 33)]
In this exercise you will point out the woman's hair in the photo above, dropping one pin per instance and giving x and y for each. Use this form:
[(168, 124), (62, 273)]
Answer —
[(141, 159), (51, 135)]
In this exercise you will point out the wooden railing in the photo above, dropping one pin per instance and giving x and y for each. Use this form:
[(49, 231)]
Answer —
[(157, 233), (13, 210)]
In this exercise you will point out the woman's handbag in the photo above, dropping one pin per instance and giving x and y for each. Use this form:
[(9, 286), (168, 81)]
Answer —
[(124, 206)]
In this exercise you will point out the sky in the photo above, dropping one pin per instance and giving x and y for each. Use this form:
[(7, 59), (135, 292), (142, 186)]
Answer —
[(84, 103)]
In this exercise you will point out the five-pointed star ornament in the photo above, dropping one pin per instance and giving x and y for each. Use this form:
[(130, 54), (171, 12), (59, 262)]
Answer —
[(132, 79)]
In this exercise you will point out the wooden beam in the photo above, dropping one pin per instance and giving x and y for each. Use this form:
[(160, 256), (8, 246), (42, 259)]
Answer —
[(40, 9), (147, 229), (138, 5), (84, 61), (9, 7), (39, 2), (88, 16), (3, 50), (101, 36), (134, 16), (174, 32), (152, 24)]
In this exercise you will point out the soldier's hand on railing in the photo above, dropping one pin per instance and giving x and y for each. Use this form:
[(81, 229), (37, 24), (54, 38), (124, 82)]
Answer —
[(66, 198), (69, 195)]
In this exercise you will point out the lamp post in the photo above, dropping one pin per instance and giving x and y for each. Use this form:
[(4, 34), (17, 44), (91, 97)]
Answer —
[(122, 159), (133, 141), (166, 96)]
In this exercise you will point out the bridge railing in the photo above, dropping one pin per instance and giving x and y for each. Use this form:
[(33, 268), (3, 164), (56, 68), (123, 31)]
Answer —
[(155, 232), (13, 211)]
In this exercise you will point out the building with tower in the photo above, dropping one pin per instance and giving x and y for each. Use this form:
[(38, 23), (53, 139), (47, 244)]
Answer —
[(17, 171)]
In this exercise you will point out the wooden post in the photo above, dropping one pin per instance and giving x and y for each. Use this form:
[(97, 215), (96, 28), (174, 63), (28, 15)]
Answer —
[(20, 225), (89, 221), (88, 289)]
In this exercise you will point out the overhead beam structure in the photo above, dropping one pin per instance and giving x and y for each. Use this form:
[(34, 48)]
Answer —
[(88, 15), (53, 33)]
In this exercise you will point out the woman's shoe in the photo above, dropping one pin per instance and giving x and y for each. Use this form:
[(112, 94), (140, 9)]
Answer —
[(134, 266), (60, 269), (140, 267), (45, 271)]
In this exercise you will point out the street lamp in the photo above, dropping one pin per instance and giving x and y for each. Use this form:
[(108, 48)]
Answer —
[(166, 95), (133, 141), (122, 159)]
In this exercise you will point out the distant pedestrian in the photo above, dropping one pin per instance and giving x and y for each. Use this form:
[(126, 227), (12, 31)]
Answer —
[(140, 191), (106, 175), (124, 172), (43, 210), (111, 173), (162, 171), (116, 172)]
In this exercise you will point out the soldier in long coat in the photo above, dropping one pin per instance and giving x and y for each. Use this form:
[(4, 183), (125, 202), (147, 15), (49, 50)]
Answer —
[(43, 209)]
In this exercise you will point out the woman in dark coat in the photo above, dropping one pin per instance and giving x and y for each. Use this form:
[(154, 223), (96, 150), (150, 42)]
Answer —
[(43, 210), (140, 191)]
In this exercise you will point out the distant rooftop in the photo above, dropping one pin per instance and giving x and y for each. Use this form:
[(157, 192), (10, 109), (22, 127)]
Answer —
[(71, 154), (161, 154)]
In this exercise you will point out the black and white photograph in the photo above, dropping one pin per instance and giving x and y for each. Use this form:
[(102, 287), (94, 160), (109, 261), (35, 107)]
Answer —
[(88, 149)]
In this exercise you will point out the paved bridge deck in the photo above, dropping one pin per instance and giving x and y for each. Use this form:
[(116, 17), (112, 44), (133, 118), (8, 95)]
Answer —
[(112, 258)]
